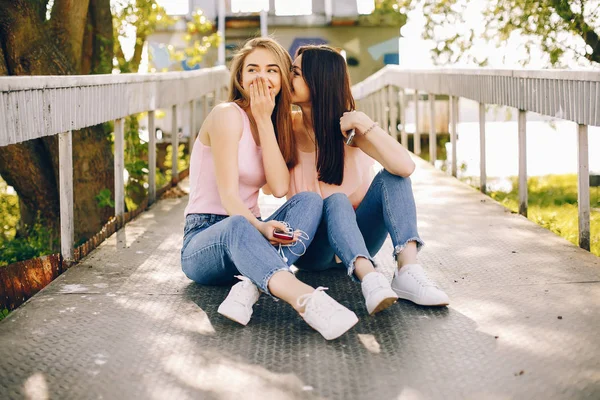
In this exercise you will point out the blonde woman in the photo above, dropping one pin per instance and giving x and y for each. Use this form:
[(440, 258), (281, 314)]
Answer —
[(246, 144)]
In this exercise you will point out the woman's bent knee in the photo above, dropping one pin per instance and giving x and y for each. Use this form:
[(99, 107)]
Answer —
[(311, 199), (336, 200), (390, 178)]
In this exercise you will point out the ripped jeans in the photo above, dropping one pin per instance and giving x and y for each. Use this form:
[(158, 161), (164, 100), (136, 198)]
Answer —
[(218, 247), (387, 208)]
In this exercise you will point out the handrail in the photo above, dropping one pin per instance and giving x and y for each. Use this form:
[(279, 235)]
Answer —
[(32, 107), (37, 106), (572, 95)]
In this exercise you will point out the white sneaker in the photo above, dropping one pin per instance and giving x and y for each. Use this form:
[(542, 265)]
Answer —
[(411, 283), (325, 315), (378, 292), (237, 306)]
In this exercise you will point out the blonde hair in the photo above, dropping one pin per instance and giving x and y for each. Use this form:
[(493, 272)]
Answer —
[(281, 117)]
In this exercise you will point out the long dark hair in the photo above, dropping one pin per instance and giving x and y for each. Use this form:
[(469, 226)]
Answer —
[(326, 75), (281, 116)]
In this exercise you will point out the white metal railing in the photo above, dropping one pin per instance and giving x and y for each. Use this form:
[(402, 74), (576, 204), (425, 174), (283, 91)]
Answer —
[(570, 95), (35, 106)]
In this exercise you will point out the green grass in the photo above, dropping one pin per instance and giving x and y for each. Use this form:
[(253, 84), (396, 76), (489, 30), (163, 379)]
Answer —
[(552, 203)]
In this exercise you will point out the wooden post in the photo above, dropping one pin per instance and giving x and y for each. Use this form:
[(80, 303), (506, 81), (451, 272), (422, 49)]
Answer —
[(175, 146), (482, 161), (432, 134), (119, 163), (65, 171), (151, 158), (417, 135), (523, 162), (583, 187), (393, 102), (453, 133)]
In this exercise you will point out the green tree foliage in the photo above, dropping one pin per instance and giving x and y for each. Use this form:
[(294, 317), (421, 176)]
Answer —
[(198, 42), (561, 28), (139, 17)]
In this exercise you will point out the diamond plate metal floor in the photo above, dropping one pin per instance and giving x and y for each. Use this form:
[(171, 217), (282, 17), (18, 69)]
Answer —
[(126, 323)]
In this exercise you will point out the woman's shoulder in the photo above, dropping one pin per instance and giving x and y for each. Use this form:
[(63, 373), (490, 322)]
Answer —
[(227, 110), (226, 117), (227, 113)]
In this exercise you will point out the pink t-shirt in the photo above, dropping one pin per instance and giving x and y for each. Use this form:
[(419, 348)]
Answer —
[(204, 194), (358, 175)]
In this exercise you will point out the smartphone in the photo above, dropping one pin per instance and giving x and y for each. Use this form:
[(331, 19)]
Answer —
[(283, 235), (350, 138)]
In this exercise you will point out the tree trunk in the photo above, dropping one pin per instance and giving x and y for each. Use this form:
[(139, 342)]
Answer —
[(68, 27), (3, 67), (32, 167)]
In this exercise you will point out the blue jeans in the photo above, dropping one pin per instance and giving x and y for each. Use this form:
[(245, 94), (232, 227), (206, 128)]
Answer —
[(388, 208), (218, 247)]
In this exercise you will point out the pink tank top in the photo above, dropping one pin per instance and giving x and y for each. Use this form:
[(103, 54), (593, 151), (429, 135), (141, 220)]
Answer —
[(204, 194), (358, 175)]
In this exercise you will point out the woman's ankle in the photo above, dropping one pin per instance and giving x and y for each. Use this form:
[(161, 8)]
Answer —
[(408, 255), (363, 267)]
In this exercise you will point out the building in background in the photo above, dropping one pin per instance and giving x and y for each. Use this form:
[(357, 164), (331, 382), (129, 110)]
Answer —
[(368, 41)]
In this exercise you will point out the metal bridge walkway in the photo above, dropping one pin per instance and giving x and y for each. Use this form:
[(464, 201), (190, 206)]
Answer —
[(524, 320)]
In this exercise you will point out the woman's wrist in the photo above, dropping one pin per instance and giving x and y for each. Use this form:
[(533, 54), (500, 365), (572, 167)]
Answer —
[(363, 124), (263, 121), (257, 223)]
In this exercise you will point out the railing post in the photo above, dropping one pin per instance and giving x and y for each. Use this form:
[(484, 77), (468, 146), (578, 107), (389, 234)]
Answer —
[(225, 93), (151, 158), (384, 109), (432, 134), (377, 108), (453, 133), (192, 129), (403, 106), (204, 107), (174, 146), (67, 226), (583, 187), (393, 102), (119, 163), (417, 136), (482, 160), (523, 162)]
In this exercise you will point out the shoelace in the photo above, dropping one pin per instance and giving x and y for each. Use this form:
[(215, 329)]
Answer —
[(242, 295), (423, 279), (305, 298)]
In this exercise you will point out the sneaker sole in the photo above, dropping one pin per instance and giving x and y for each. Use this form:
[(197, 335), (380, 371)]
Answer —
[(233, 318), (341, 334), (410, 298), (385, 303)]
